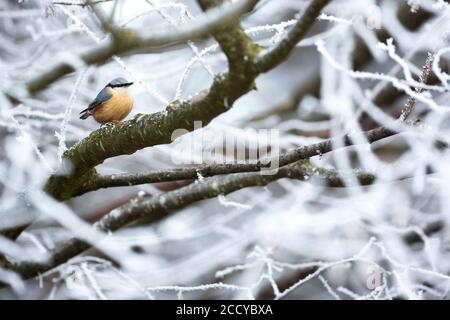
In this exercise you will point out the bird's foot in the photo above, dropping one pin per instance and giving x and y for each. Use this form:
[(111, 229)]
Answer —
[(110, 123)]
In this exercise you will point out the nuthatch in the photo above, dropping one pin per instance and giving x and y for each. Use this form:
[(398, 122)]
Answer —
[(112, 104)]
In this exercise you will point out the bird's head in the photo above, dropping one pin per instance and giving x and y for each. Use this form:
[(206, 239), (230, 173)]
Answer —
[(119, 83)]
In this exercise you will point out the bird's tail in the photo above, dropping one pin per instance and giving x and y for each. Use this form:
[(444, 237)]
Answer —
[(85, 115)]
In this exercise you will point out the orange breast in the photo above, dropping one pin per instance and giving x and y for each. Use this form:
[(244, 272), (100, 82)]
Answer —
[(114, 109)]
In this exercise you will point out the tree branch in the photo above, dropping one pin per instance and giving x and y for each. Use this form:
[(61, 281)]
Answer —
[(284, 48), (107, 25), (296, 154), (423, 78), (81, 4)]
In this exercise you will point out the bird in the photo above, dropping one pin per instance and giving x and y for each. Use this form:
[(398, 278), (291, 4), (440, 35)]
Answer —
[(112, 104)]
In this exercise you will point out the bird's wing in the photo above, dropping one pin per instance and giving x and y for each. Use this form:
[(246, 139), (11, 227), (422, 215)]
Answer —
[(103, 96)]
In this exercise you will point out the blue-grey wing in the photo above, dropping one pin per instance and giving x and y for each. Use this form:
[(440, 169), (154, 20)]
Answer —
[(102, 96)]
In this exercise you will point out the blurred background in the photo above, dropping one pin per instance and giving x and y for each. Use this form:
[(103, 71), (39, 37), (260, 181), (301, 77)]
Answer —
[(288, 240)]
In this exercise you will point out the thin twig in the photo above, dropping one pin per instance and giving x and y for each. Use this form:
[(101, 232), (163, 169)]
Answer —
[(81, 4), (423, 77)]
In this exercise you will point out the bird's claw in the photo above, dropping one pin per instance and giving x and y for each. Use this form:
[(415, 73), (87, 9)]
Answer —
[(111, 123)]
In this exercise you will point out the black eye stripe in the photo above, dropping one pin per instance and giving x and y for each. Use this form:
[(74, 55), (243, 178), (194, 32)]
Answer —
[(121, 85)]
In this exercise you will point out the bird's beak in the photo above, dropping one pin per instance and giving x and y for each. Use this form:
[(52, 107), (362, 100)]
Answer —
[(129, 83)]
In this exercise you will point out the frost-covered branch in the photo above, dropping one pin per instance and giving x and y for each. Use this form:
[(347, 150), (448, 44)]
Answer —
[(79, 3), (107, 25), (423, 78), (98, 181), (283, 49), (129, 41), (383, 96), (152, 209)]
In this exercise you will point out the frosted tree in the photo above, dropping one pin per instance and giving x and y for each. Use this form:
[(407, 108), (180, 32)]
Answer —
[(356, 207)]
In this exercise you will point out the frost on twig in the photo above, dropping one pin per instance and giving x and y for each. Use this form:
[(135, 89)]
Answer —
[(409, 106)]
